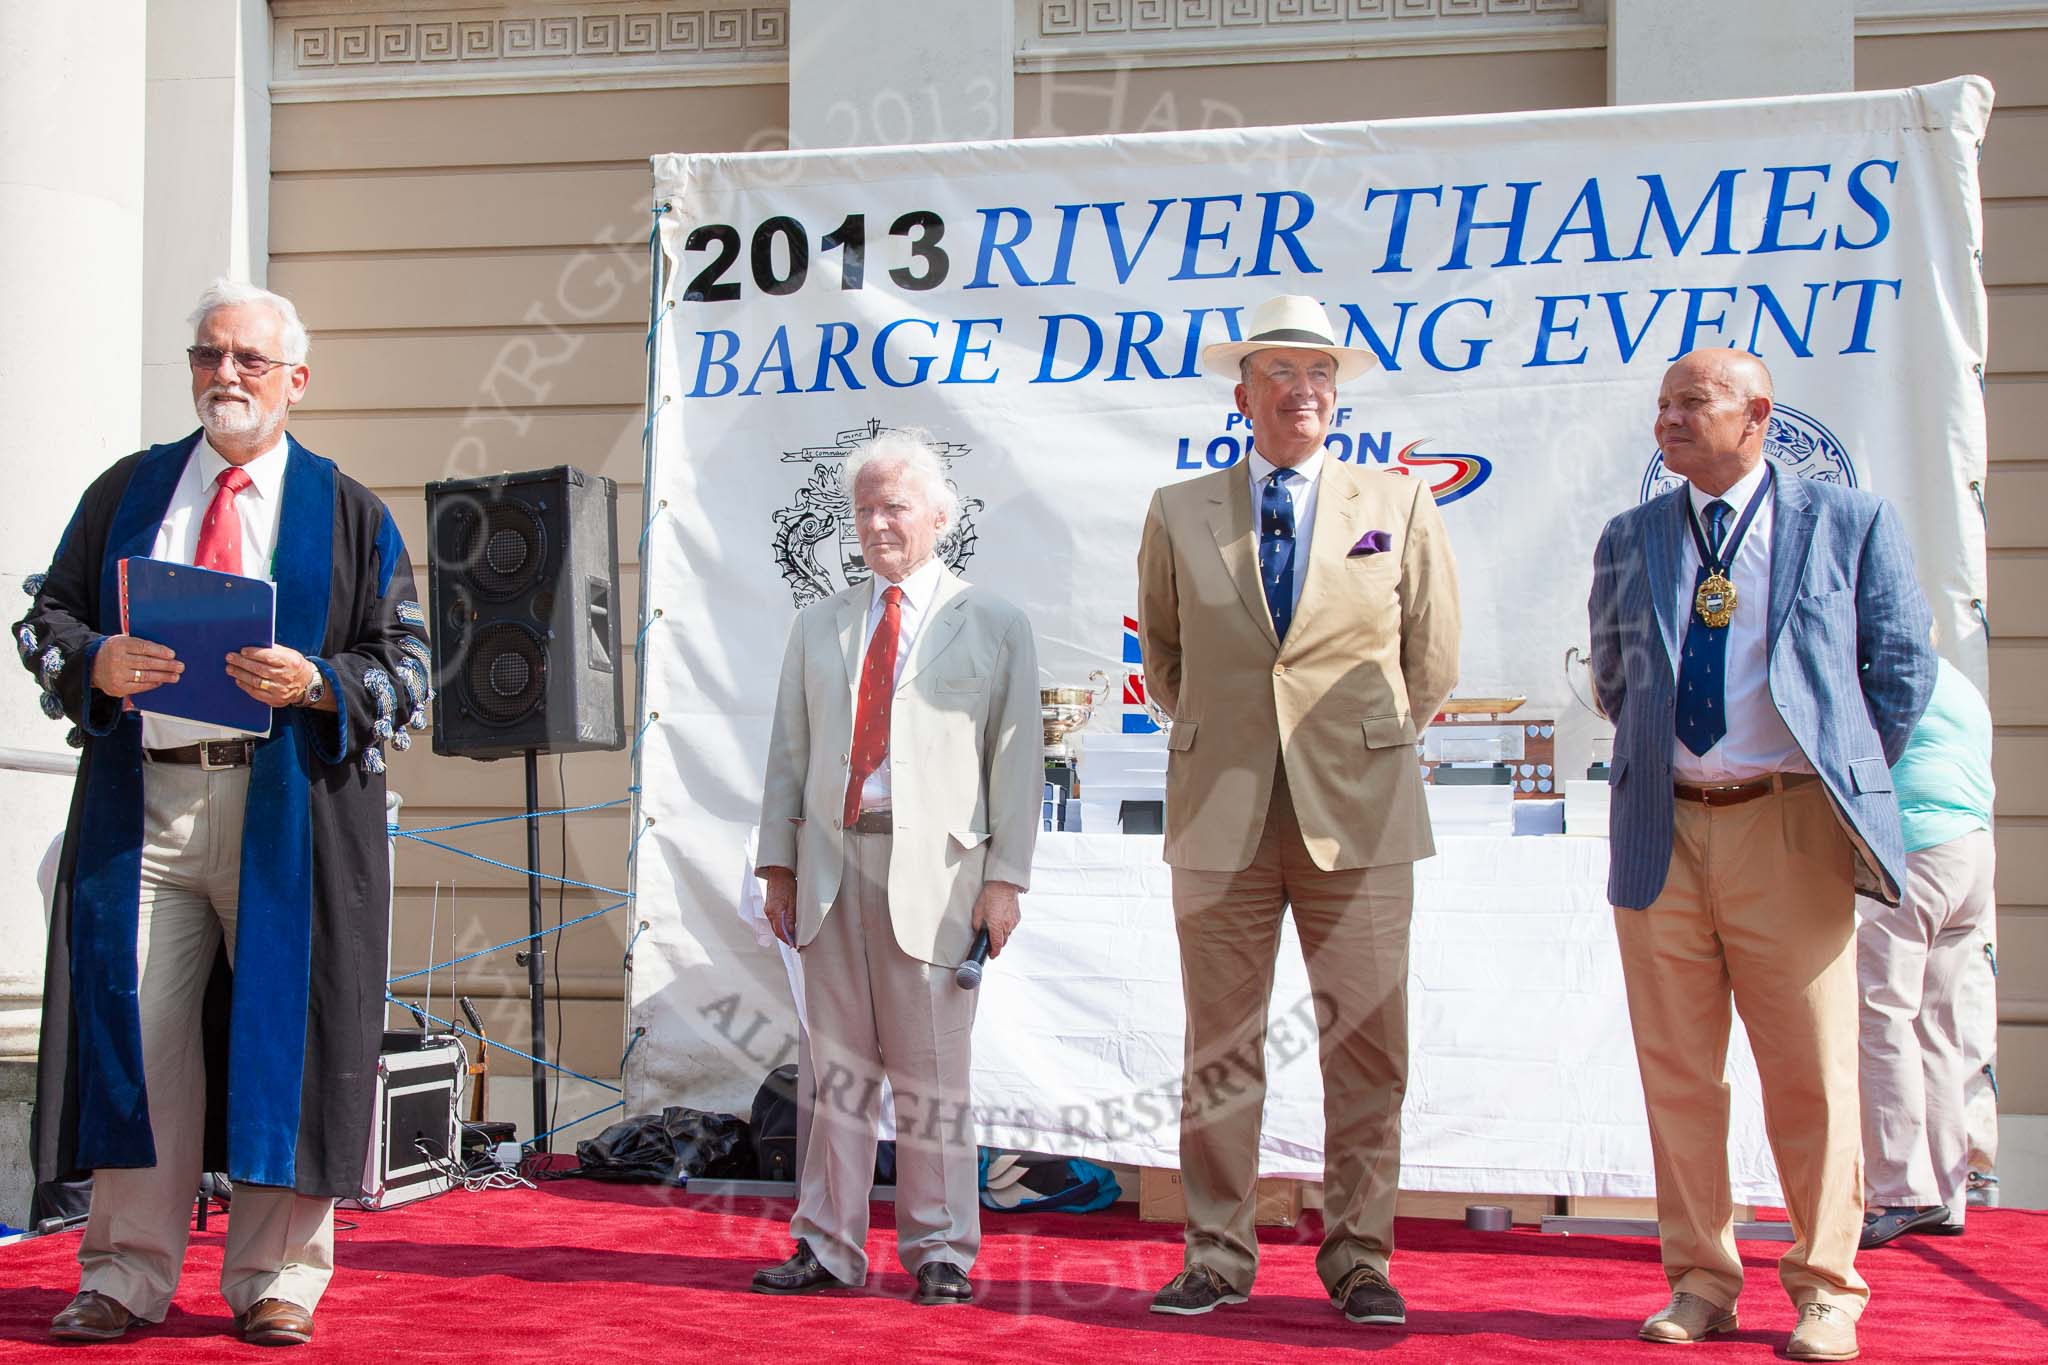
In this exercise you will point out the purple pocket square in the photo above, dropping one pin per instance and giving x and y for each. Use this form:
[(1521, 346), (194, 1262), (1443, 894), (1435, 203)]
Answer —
[(1371, 543)]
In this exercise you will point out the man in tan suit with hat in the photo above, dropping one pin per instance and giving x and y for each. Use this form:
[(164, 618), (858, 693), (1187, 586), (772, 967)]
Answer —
[(1300, 625)]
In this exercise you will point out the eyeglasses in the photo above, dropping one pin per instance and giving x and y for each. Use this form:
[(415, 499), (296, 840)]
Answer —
[(253, 364)]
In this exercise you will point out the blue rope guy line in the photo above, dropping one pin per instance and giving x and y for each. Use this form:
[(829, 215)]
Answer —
[(638, 1034), (660, 506), (522, 871), (659, 318), (638, 735), (463, 1032), (627, 965), (641, 638), (399, 832), (633, 849), (536, 1141), (508, 943)]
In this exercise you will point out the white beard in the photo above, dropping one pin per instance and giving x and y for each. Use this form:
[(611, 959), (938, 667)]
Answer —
[(222, 416)]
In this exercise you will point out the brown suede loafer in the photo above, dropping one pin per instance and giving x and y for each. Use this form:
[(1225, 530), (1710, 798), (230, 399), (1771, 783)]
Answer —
[(1686, 1319), (274, 1322), (1824, 1332), (1196, 1290), (92, 1316), (1365, 1295)]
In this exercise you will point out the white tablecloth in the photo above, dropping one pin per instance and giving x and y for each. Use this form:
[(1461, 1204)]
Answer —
[(1521, 1079), (1522, 1076)]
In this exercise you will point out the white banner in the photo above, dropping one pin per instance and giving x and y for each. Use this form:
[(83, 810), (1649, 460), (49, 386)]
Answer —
[(1038, 306)]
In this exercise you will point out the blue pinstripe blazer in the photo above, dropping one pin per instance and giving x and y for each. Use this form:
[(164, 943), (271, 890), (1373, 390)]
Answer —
[(1850, 667)]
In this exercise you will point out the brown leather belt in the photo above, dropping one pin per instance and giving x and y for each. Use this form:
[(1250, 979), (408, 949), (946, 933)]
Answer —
[(1735, 793), (875, 822), (211, 754)]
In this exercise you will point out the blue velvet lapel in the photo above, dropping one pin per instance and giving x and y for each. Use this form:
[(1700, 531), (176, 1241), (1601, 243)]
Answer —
[(273, 941), (113, 1104)]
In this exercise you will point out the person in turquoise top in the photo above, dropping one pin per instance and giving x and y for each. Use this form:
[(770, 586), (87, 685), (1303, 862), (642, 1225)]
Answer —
[(1914, 960)]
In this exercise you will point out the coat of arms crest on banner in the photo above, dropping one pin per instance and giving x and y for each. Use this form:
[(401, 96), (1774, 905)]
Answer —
[(815, 544)]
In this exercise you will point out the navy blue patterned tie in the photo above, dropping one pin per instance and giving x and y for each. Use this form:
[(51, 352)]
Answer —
[(1276, 548), (1702, 715)]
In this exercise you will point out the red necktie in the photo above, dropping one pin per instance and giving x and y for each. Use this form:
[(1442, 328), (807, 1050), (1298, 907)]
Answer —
[(220, 535), (871, 710)]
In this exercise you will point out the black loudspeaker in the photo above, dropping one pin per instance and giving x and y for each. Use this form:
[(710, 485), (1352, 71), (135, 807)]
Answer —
[(524, 576)]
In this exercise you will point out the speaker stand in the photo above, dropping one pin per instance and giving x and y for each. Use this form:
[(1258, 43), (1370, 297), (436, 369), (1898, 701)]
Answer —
[(535, 956)]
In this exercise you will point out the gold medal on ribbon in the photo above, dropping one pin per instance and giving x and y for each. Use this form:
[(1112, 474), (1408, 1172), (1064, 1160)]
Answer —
[(1714, 601)]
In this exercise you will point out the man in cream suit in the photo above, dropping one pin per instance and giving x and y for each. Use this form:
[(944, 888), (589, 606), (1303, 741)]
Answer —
[(899, 817), (1300, 625)]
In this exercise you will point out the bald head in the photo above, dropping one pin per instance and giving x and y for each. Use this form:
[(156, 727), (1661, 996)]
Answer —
[(1712, 413), (1738, 371)]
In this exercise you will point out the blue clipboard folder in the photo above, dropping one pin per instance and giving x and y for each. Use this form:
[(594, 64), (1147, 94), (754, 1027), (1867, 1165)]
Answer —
[(202, 616)]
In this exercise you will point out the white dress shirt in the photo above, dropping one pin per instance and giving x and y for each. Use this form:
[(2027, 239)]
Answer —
[(1757, 742), (177, 541), (1303, 490), (918, 590)]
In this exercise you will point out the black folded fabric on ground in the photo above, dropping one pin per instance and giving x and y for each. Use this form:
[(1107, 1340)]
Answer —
[(669, 1148)]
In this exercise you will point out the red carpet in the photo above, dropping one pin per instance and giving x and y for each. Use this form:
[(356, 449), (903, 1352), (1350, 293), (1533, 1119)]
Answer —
[(578, 1271)]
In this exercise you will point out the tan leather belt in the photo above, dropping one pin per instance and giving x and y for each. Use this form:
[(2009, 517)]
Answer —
[(211, 754), (875, 822), (1735, 793)]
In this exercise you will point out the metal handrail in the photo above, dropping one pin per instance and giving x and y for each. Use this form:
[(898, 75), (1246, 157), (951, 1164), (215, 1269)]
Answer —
[(38, 761)]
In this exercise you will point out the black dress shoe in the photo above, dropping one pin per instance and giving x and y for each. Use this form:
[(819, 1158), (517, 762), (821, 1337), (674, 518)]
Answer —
[(800, 1274), (942, 1282), (1882, 1225)]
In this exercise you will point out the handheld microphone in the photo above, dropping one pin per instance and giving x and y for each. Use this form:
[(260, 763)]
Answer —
[(967, 976)]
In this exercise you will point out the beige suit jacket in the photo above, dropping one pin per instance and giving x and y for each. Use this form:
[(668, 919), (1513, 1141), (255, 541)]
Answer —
[(1371, 654), (966, 769)]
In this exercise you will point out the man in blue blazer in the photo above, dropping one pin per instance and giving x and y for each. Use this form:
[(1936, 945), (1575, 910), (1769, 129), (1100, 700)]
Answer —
[(1761, 644)]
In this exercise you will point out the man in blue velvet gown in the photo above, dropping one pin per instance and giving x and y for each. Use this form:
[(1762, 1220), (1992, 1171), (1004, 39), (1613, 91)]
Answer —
[(218, 938)]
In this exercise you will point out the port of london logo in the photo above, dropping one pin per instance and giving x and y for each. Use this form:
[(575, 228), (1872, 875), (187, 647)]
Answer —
[(1797, 444), (815, 544)]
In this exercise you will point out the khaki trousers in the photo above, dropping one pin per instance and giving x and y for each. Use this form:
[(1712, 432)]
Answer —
[(1760, 903), (1913, 960), (1353, 927), (280, 1245), (872, 1010)]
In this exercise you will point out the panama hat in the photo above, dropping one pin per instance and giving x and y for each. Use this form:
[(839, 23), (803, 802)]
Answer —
[(1288, 320)]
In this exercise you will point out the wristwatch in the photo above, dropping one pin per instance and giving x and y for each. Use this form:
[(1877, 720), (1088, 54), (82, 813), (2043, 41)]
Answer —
[(315, 689)]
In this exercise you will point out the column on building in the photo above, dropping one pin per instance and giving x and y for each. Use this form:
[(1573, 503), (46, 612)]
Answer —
[(909, 71), (1670, 51), (206, 181), (71, 190)]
